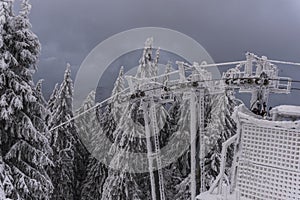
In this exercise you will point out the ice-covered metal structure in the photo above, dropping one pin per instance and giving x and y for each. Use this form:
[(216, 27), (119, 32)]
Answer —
[(258, 76), (267, 160), (152, 91)]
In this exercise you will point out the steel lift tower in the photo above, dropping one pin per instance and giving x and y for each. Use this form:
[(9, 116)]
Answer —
[(259, 77), (150, 92)]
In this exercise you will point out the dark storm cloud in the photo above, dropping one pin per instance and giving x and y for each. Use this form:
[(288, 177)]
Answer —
[(69, 29)]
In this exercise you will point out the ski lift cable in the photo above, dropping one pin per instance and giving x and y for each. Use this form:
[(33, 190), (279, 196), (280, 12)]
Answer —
[(186, 82), (241, 62), (174, 72), (284, 62), (191, 66), (100, 105), (86, 111), (217, 64)]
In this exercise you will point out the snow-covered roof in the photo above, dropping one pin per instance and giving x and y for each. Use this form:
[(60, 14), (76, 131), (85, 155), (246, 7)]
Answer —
[(286, 110)]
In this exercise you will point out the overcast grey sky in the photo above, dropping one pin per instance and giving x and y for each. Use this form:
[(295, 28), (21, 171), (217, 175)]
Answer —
[(70, 29)]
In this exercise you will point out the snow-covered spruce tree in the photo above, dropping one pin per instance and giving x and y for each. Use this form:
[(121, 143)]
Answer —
[(52, 99), (88, 127), (129, 139), (220, 127), (92, 187), (69, 155), (87, 124), (120, 184), (62, 142), (175, 172), (39, 93), (50, 106), (24, 147), (45, 111), (7, 188), (119, 86), (180, 169), (148, 67), (101, 140)]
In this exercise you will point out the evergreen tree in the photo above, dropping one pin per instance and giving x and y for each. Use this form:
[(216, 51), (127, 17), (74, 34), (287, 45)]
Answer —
[(7, 188), (129, 137), (115, 105), (120, 184), (179, 181), (52, 99), (183, 189), (24, 148), (93, 184), (97, 171), (100, 141), (62, 142), (45, 111), (89, 126), (147, 65), (69, 154), (220, 128), (39, 93)]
